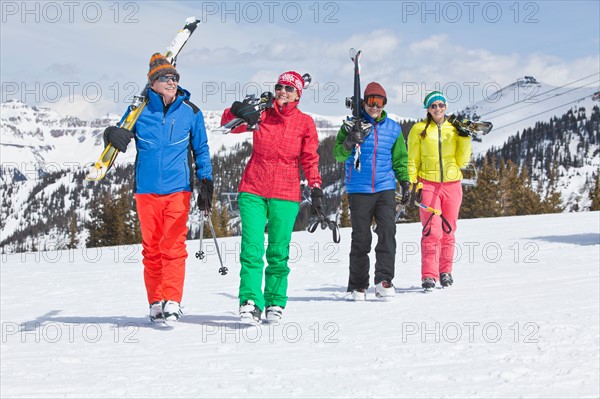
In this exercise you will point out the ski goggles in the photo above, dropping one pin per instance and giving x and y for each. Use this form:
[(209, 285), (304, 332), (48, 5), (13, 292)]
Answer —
[(166, 78), (375, 101), (289, 89), (436, 106)]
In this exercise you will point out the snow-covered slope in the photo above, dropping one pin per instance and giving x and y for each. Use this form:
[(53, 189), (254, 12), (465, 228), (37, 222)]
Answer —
[(527, 101), (522, 320), (34, 140)]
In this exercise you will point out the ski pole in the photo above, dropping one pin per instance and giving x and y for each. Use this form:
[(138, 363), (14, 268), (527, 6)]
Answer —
[(416, 197), (200, 254), (223, 270), (322, 220)]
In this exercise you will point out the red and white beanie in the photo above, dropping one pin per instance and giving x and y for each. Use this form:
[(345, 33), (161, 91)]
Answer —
[(292, 78)]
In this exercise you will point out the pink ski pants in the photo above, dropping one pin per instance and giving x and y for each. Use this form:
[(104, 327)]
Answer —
[(437, 246)]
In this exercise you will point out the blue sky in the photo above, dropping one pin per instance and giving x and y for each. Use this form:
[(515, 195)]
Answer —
[(87, 58)]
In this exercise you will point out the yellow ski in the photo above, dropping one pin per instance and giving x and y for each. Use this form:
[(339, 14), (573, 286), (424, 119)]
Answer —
[(106, 160)]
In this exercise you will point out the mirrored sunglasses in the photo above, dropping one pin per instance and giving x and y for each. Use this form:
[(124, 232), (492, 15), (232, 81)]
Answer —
[(375, 101), (289, 89), (166, 78), (435, 106)]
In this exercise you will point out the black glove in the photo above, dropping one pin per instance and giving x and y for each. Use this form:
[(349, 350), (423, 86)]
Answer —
[(355, 136), (350, 142), (405, 186), (463, 132), (205, 195), (118, 137), (246, 111), (316, 197)]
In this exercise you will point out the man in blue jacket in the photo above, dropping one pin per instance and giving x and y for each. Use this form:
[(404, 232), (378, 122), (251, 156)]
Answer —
[(371, 193), (171, 142)]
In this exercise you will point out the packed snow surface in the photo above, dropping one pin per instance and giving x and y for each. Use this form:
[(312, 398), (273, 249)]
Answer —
[(522, 320)]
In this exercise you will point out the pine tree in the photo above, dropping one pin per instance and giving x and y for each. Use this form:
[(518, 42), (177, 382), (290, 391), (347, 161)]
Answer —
[(215, 217), (345, 215), (484, 199), (99, 221), (552, 200), (113, 222), (117, 224), (224, 222), (595, 194), (73, 241)]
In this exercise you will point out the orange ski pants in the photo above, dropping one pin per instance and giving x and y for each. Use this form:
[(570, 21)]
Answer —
[(163, 221)]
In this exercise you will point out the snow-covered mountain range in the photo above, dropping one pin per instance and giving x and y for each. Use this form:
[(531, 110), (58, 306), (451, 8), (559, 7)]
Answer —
[(37, 141), (523, 103), (34, 139)]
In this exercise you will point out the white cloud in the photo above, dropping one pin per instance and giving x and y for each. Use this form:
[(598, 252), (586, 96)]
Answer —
[(82, 107), (228, 52)]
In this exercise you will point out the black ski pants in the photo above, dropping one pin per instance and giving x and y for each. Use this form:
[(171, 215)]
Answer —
[(363, 208)]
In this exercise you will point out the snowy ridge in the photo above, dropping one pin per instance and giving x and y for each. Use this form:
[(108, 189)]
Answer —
[(36, 141), (522, 320), (35, 138), (527, 101)]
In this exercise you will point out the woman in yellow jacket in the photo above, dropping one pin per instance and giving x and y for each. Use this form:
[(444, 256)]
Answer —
[(436, 154)]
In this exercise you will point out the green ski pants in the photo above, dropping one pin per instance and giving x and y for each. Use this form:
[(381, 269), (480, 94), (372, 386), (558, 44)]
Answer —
[(255, 212)]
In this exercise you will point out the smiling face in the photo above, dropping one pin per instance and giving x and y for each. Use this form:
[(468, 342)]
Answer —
[(166, 86), (373, 112), (374, 104), (283, 95), (437, 109)]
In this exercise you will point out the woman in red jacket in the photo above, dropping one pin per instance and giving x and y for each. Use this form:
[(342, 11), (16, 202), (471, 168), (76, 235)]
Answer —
[(284, 140)]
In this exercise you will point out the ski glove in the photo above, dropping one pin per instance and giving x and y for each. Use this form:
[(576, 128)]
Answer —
[(205, 195), (246, 111), (118, 137), (349, 143), (355, 136), (316, 197), (405, 186)]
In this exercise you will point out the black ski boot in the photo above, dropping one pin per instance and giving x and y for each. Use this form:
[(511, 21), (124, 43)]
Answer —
[(428, 284), (446, 279)]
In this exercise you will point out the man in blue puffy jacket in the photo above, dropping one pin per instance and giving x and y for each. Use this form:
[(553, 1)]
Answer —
[(171, 145), (371, 193)]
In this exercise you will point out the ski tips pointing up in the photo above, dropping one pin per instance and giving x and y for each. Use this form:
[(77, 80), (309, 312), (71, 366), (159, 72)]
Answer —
[(307, 80), (355, 55)]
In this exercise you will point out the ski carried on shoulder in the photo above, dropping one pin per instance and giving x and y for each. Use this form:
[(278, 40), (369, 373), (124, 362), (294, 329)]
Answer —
[(356, 123), (472, 128), (108, 156), (259, 104)]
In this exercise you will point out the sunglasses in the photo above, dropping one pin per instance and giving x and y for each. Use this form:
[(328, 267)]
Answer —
[(435, 106), (376, 101), (166, 78), (289, 89)]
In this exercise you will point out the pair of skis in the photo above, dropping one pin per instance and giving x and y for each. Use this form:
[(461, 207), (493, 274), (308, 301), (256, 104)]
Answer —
[(108, 156), (469, 127), (259, 104), (356, 125)]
